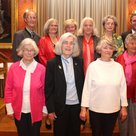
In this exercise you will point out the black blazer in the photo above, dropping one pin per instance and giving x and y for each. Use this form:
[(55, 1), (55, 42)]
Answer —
[(124, 35), (55, 83), (18, 37)]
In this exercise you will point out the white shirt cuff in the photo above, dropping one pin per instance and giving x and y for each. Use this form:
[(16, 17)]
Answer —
[(9, 109), (45, 110)]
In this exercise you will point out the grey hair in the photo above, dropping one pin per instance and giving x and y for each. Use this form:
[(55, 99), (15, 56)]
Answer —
[(47, 25), (26, 13), (58, 47), (30, 42), (105, 19), (107, 42), (80, 31), (130, 37)]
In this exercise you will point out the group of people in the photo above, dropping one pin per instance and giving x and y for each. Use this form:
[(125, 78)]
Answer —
[(65, 78)]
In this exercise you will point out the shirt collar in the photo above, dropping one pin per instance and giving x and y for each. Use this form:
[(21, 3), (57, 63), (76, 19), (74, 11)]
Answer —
[(69, 59), (29, 30), (133, 31), (31, 67)]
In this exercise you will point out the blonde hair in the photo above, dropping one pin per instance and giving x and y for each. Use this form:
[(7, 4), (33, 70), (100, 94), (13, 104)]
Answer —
[(70, 22), (105, 19), (80, 31), (103, 42), (58, 47), (47, 25), (30, 42)]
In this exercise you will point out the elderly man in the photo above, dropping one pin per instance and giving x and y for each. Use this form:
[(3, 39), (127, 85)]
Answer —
[(30, 19), (133, 27)]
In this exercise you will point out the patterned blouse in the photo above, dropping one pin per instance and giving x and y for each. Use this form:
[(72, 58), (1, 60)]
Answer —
[(119, 42), (117, 39)]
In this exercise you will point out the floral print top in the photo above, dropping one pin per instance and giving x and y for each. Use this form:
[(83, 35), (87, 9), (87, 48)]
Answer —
[(119, 42), (117, 39)]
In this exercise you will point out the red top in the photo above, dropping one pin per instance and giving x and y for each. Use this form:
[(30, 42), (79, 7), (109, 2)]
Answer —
[(88, 52), (131, 89), (46, 49)]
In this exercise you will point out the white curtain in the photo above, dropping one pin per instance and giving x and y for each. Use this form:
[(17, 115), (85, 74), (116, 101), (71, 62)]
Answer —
[(41, 8), (78, 9)]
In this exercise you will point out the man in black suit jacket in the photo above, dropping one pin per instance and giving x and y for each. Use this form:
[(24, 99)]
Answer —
[(30, 20), (133, 27), (63, 89)]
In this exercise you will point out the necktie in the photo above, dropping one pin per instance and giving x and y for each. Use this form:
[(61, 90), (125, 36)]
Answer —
[(68, 69), (32, 35), (66, 65)]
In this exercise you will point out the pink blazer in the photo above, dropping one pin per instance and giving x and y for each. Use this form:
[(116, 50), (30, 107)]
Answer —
[(14, 90)]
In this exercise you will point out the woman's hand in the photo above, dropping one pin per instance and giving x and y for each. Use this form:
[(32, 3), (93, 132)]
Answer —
[(44, 114), (83, 114), (52, 116), (123, 113)]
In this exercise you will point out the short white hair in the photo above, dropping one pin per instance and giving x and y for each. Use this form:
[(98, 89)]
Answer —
[(58, 47), (27, 41)]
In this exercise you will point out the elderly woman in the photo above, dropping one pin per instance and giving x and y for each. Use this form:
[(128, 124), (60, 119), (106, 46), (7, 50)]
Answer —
[(70, 25), (87, 40), (104, 91), (24, 90), (109, 25), (128, 61), (63, 87), (48, 41)]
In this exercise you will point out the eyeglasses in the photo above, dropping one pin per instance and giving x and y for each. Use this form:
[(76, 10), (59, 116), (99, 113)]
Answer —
[(29, 51), (66, 42)]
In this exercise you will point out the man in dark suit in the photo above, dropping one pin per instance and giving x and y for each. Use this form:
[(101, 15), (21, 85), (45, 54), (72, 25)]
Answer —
[(63, 87), (133, 27), (30, 20)]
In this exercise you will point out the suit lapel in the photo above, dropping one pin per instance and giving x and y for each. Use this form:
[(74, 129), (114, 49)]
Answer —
[(75, 65), (60, 67), (26, 33)]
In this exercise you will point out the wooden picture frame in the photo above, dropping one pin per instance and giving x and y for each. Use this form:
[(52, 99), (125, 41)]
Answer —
[(7, 43)]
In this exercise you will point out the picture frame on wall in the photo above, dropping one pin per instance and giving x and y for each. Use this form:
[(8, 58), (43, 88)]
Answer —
[(8, 22)]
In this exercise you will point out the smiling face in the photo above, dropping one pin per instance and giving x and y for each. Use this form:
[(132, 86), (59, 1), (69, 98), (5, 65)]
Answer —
[(31, 20), (53, 28), (88, 27), (106, 52), (28, 53), (109, 25), (133, 23), (67, 47), (131, 47), (71, 28)]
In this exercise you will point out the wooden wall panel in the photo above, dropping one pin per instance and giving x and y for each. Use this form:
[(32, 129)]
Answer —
[(131, 8), (22, 6)]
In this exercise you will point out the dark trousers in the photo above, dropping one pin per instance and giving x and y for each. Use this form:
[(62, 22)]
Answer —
[(102, 124), (25, 126), (68, 123)]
